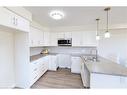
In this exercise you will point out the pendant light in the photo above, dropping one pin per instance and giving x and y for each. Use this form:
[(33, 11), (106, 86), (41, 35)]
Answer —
[(107, 34), (97, 35)]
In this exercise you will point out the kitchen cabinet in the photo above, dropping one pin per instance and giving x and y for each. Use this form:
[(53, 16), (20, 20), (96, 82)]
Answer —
[(77, 39), (36, 37), (46, 38), (123, 81), (53, 64), (68, 35), (64, 60), (7, 65), (53, 39), (60, 35), (89, 38), (84, 38), (109, 81), (76, 64), (39, 37), (64, 35), (38, 68), (13, 20)]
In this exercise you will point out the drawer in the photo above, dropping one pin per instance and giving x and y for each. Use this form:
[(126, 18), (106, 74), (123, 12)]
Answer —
[(34, 79)]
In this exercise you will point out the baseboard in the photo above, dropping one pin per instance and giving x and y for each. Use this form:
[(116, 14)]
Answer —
[(8, 87)]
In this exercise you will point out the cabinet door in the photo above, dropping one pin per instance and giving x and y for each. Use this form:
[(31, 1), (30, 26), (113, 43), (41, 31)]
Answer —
[(123, 82), (12, 20), (109, 81), (76, 65), (46, 38), (40, 37), (22, 24), (89, 38), (6, 17), (77, 39), (33, 37), (53, 63), (64, 60), (64, 35), (67, 35), (36, 37), (53, 39), (60, 35)]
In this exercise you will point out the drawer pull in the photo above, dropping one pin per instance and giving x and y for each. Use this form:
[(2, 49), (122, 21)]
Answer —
[(35, 63), (35, 69), (35, 77)]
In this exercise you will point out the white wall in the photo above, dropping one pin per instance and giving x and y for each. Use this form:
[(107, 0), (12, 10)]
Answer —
[(114, 48), (6, 60)]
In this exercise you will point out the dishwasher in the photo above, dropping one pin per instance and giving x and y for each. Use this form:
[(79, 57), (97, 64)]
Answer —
[(85, 75)]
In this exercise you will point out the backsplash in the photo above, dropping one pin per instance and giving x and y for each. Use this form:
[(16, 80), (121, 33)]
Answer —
[(74, 50), (64, 50)]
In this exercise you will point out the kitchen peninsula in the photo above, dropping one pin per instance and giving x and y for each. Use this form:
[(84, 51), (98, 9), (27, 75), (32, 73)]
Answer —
[(104, 74)]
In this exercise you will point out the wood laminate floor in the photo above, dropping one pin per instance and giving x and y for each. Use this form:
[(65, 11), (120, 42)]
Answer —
[(62, 79)]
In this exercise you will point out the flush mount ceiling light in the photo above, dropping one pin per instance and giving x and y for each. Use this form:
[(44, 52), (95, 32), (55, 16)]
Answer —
[(97, 35), (107, 34), (57, 15)]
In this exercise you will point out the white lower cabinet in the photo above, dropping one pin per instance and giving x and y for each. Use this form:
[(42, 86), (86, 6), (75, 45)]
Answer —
[(53, 64), (76, 64), (64, 60), (107, 81), (38, 68)]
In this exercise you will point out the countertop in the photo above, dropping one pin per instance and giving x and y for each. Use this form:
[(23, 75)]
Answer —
[(38, 56), (104, 66)]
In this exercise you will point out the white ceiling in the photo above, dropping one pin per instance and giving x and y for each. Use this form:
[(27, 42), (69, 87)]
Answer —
[(79, 16)]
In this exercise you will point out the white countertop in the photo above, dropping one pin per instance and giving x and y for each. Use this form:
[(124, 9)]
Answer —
[(104, 66), (38, 56)]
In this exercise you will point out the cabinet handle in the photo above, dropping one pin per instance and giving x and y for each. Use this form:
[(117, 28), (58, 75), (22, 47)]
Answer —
[(35, 69), (35, 77), (16, 21), (13, 20), (35, 63)]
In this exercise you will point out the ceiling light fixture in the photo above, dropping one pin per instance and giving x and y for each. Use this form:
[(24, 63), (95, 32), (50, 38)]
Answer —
[(107, 34), (57, 15), (97, 35)]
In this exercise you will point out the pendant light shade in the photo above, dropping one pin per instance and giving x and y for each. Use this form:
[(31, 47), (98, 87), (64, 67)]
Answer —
[(97, 35), (107, 33)]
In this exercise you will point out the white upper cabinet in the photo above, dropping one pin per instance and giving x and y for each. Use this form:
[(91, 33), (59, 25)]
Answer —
[(64, 35), (36, 37), (84, 38), (22, 24), (77, 39), (11, 20), (53, 39), (68, 35), (60, 35), (89, 38), (46, 38)]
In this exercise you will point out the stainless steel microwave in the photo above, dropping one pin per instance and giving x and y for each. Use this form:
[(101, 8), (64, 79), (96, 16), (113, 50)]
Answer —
[(65, 42)]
